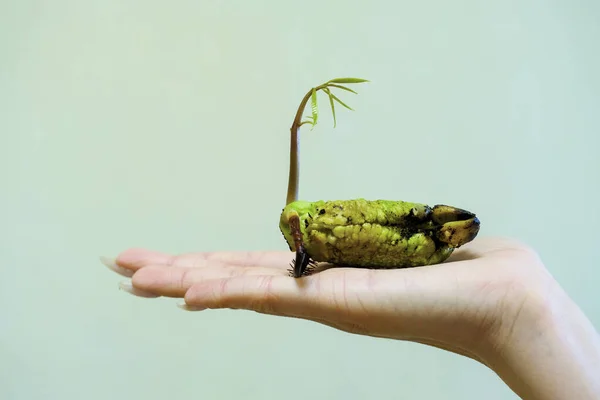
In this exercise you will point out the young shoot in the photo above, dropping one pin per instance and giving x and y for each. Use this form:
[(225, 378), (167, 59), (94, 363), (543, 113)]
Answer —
[(312, 119)]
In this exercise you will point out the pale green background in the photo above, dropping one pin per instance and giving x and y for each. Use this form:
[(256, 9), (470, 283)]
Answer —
[(165, 125)]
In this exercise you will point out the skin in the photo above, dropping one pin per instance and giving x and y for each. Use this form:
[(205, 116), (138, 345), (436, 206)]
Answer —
[(492, 301)]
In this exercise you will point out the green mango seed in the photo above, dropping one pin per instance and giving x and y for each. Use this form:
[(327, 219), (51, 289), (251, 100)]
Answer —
[(379, 233)]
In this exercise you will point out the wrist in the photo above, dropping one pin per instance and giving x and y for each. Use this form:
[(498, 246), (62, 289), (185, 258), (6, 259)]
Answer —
[(545, 347)]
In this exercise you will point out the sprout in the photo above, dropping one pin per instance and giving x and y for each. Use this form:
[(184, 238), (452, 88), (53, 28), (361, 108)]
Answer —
[(292, 194)]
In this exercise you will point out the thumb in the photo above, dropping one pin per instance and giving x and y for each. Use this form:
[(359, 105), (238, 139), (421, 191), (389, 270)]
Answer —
[(399, 304), (267, 294)]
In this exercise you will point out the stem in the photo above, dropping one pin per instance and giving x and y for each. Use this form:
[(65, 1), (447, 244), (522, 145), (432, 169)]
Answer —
[(292, 194), (294, 177)]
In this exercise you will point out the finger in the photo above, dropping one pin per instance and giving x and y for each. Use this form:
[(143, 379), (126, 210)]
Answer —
[(129, 288), (269, 294), (270, 259), (111, 264), (132, 260), (135, 259), (175, 281), (332, 297)]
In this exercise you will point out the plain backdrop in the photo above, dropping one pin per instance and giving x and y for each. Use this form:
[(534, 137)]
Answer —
[(165, 125)]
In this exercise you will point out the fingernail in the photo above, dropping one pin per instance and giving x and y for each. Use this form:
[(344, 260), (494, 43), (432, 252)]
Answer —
[(128, 287), (187, 307), (112, 265)]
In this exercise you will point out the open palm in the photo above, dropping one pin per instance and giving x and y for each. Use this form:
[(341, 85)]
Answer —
[(466, 305)]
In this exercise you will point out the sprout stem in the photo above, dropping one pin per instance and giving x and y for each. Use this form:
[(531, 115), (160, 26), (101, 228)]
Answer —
[(294, 176)]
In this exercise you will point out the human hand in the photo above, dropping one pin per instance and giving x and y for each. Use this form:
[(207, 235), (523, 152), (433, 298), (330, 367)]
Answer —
[(490, 301), (453, 305)]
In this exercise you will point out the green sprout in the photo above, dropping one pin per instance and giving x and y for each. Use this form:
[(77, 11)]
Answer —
[(292, 194)]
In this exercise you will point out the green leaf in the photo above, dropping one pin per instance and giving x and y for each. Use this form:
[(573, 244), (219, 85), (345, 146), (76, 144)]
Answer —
[(348, 80), (341, 102), (332, 105), (307, 122), (343, 87), (313, 105)]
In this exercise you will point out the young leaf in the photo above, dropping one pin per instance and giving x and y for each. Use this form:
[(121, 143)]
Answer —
[(313, 105), (342, 87), (348, 80), (341, 102), (332, 105)]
